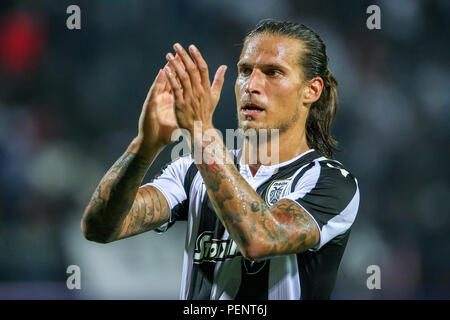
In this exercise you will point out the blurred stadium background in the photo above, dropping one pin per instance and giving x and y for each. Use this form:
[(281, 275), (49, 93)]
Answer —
[(70, 101)]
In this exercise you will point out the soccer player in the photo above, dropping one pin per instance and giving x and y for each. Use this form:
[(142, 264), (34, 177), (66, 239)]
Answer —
[(255, 230)]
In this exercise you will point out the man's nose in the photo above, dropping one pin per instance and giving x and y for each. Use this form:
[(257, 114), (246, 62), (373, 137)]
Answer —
[(254, 82)]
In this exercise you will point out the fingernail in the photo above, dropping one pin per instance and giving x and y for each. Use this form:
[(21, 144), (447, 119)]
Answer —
[(194, 48), (177, 46)]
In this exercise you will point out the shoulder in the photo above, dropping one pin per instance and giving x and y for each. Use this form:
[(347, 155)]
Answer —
[(179, 165), (174, 171), (324, 175), (329, 192), (335, 172)]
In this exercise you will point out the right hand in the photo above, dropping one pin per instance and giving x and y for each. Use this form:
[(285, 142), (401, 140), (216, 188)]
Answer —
[(157, 120)]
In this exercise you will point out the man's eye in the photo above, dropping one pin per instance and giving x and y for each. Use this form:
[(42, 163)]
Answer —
[(245, 71), (273, 73)]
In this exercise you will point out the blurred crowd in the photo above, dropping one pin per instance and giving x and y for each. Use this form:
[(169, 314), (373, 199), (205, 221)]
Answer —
[(70, 101)]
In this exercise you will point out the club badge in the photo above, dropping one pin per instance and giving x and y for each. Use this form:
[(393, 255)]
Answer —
[(276, 190)]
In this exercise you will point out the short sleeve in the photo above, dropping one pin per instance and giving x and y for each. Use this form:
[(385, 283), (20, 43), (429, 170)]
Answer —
[(171, 183), (330, 194)]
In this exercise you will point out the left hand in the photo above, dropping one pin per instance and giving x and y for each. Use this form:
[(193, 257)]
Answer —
[(195, 97)]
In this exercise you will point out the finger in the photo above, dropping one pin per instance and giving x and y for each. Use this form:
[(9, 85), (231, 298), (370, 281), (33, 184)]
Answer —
[(175, 86), (166, 83), (178, 58), (189, 65), (167, 87), (201, 65), (219, 79), (157, 85), (182, 75), (166, 80)]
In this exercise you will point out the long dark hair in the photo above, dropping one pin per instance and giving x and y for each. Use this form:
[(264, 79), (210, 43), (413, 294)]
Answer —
[(314, 63)]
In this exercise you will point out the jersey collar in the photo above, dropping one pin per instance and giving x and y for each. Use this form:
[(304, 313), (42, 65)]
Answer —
[(265, 171)]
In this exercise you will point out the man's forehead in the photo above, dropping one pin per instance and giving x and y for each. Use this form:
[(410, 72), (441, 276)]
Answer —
[(270, 49)]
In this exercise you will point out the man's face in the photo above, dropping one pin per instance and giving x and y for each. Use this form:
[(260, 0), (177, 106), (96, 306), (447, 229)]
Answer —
[(269, 86)]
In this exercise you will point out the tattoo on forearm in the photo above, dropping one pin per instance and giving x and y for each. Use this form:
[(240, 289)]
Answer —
[(145, 213), (255, 206), (115, 196), (286, 227)]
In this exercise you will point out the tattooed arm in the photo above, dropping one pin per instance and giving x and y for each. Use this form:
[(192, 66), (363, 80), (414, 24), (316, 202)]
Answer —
[(258, 229), (119, 208)]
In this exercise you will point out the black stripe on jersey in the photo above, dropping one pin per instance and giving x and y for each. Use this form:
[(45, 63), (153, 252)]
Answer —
[(254, 280), (317, 269), (334, 190), (190, 175)]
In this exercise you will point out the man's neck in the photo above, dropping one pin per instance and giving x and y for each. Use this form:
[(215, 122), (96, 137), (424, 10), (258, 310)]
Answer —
[(275, 151)]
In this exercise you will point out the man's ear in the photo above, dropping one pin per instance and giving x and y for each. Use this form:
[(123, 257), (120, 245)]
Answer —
[(312, 90)]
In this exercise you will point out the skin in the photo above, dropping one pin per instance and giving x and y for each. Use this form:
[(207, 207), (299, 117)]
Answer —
[(269, 75)]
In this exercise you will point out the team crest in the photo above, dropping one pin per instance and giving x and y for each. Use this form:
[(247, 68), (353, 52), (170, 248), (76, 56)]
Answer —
[(276, 190)]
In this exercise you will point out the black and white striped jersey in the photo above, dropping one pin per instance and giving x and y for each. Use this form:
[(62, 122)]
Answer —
[(213, 267)]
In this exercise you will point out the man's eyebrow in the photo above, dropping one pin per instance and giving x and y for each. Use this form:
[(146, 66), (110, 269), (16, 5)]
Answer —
[(263, 66), (243, 64)]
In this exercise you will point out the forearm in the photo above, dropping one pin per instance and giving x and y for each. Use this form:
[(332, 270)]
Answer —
[(258, 230), (115, 194), (243, 213)]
